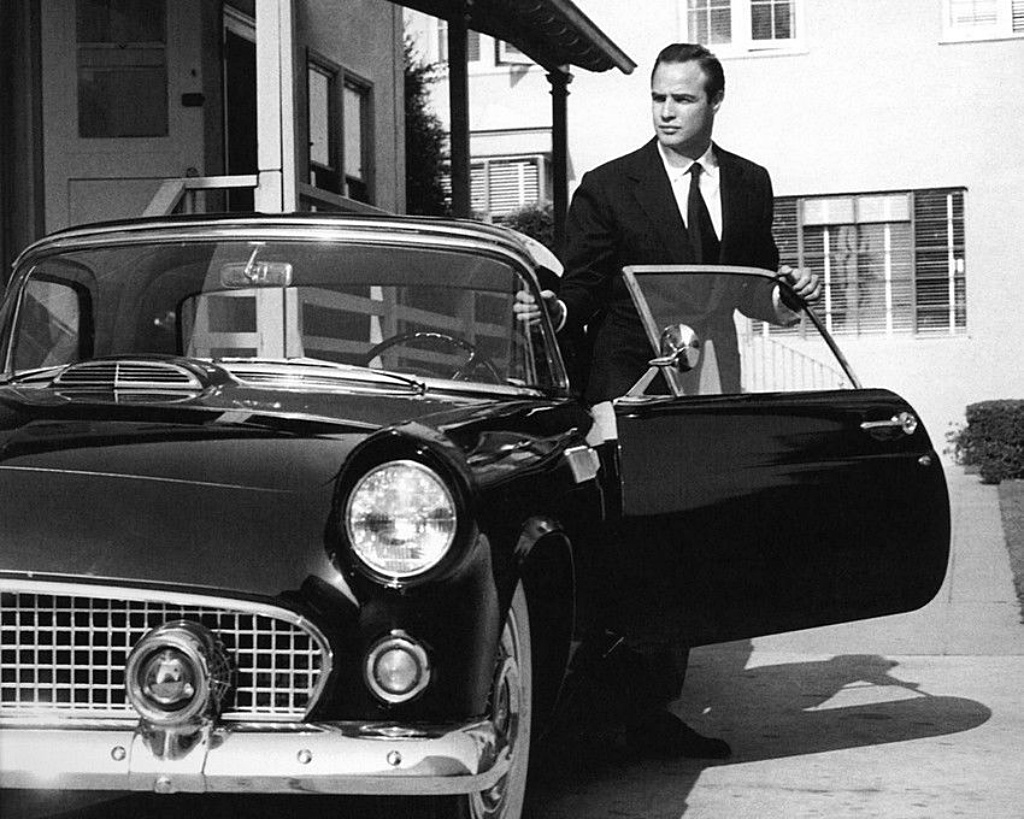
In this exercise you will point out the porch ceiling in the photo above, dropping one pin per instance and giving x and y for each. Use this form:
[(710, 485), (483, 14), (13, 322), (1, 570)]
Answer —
[(553, 33)]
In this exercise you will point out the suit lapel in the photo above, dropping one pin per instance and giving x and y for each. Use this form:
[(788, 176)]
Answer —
[(734, 215), (654, 194)]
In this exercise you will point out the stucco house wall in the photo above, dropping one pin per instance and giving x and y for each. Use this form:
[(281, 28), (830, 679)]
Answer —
[(874, 101)]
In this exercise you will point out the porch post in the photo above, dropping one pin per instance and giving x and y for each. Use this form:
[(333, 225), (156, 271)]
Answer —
[(458, 85), (559, 152), (277, 190)]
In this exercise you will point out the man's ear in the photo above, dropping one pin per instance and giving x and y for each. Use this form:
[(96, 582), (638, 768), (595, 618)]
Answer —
[(716, 101)]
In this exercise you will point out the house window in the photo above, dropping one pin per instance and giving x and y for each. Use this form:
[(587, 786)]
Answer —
[(340, 142), (508, 54), (982, 19), (122, 68), (891, 263), (502, 185), (743, 26), (323, 148), (472, 43), (357, 154)]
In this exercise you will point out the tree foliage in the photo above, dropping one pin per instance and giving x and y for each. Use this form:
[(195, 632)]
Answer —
[(536, 221), (425, 156)]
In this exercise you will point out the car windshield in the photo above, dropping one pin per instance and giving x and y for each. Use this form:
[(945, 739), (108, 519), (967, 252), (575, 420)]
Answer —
[(428, 312), (743, 336)]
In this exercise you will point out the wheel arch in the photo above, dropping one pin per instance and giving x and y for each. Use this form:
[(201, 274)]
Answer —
[(548, 574)]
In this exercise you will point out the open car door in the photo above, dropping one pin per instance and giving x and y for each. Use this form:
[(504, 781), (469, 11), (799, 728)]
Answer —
[(767, 492)]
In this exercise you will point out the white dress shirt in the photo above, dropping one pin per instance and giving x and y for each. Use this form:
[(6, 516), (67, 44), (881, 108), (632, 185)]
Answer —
[(678, 169)]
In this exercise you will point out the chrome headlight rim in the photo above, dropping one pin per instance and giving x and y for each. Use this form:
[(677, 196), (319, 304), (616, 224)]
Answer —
[(390, 575)]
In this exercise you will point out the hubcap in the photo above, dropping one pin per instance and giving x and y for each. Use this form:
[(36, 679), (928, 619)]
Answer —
[(510, 712)]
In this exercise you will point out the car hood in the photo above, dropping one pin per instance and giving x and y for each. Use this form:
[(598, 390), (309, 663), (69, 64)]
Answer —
[(228, 490)]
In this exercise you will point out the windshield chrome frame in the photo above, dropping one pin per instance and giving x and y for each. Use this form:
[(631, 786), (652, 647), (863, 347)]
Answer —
[(631, 272), (462, 237)]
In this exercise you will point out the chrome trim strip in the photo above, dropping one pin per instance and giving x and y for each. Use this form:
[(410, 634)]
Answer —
[(76, 588), (329, 758), (153, 478)]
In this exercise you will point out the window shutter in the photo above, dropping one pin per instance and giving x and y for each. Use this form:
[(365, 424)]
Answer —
[(786, 229), (1017, 16), (940, 281), (513, 184)]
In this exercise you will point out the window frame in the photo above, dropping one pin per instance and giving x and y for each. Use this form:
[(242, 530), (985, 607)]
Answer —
[(1001, 28), (541, 161), (742, 20), (364, 91), (791, 234), (508, 54), (341, 81)]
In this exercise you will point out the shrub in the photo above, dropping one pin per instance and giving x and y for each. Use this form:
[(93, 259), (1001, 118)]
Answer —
[(537, 221), (992, 440)]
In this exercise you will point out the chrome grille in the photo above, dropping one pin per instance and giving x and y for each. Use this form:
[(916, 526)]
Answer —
[(64, 654), (127, 374)]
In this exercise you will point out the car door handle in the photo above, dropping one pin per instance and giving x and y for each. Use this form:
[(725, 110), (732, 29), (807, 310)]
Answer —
[(905, 421)]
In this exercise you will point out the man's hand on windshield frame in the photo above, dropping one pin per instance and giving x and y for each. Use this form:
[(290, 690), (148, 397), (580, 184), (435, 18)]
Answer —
[(803, 281), (526, 309)]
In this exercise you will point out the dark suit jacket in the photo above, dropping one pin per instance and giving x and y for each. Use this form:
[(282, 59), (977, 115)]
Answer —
[(624, 213)]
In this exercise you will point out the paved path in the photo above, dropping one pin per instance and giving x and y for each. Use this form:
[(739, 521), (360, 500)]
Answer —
[(916, 715)]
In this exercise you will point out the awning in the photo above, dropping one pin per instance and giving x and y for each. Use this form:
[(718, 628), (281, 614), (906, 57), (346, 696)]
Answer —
[(553, 33)]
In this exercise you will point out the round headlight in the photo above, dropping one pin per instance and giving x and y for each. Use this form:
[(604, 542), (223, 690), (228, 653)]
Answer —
[(400, 519)]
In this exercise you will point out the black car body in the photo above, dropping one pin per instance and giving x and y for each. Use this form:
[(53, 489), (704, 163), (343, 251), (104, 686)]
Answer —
[(295, 504)]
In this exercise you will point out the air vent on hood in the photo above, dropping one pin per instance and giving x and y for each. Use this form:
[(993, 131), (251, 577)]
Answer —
[(128, 374)]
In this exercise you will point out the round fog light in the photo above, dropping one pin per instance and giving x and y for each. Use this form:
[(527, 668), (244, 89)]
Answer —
[(177, 673), (168, 678), (397, 669)]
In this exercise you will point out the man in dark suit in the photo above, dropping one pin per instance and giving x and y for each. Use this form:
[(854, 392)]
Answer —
[(679, 199)]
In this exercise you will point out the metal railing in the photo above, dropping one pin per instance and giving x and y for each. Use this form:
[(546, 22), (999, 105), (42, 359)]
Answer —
[(187, 194), (777, 365)]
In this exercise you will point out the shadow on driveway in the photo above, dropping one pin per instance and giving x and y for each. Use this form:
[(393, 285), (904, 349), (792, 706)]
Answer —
[(766, 712)]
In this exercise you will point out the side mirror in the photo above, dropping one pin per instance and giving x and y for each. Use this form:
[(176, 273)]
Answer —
[(680, 348)]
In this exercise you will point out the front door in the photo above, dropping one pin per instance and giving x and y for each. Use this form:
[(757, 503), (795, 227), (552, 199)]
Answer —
[(123, 104), (240, 104), (799, 501)]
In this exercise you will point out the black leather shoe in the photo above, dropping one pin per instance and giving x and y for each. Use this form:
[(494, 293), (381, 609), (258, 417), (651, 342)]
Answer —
[(663, 734)]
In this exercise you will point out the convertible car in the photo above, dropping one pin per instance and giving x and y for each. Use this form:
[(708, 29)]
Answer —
[(297, 503)]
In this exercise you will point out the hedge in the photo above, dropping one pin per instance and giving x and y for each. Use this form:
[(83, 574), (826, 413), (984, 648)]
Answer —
[(992, 440)]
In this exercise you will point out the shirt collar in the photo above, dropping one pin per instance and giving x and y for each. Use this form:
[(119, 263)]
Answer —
[(677, 166)]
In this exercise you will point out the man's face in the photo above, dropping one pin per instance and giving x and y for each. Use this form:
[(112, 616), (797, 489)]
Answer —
[(683, 115)]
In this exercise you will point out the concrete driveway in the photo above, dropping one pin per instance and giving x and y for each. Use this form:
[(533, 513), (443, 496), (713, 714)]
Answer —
[(917, 715)]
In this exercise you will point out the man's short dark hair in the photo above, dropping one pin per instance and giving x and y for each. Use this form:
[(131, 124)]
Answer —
[(695, 53)]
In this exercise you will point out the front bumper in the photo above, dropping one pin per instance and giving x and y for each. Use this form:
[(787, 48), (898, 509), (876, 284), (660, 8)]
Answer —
[(320, 758)]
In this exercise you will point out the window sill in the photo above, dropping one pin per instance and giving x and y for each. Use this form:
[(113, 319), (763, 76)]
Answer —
[(979, 37), (737, 52)]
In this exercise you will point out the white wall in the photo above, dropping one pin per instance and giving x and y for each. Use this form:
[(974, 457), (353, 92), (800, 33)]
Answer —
[(875, 102)]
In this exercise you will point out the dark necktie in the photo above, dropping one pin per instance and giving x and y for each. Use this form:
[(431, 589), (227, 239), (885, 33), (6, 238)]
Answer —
[(698, 222)]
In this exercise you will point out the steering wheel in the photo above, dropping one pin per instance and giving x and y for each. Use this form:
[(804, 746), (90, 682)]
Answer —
[(476, 360)]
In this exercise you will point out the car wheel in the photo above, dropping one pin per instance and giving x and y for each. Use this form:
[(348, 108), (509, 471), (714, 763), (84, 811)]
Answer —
[(512, 713), (511, 710)]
